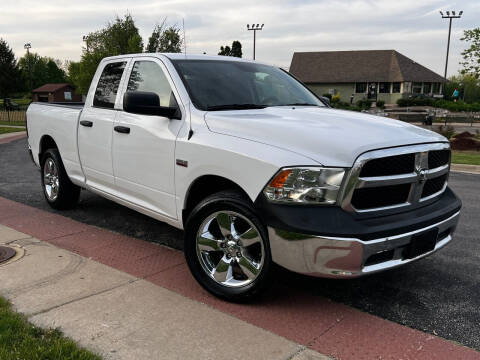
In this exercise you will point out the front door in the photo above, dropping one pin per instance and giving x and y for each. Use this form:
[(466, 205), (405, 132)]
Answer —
[(95, 129), (372, 91), (144, 153)]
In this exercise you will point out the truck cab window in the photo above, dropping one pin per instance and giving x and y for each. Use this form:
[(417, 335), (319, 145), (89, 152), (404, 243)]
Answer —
[(148, 76), (107, 86)]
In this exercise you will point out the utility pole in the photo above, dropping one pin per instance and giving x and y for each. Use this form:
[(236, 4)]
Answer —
[(28, 46), (255, 28), (450, 17)]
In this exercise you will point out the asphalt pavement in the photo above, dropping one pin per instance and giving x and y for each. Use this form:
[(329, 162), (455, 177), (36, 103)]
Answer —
[(439, 294)]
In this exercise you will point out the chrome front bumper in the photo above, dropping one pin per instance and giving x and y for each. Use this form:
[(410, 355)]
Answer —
[(350, 257)]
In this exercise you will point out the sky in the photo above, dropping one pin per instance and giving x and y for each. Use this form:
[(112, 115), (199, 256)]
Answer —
[(413, 27)]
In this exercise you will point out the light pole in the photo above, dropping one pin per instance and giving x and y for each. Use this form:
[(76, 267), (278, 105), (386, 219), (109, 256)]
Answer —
[(28, 46), (449, 15), (85, 39), (255, 28)]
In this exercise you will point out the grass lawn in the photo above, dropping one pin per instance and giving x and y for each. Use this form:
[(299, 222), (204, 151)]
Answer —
[(466, 157), (21, 340), (6, 130), (18, 101), (12, 123)]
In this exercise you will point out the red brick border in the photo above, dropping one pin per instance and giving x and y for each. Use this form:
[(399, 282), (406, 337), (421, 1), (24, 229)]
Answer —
[(315, 322), (11, 138)]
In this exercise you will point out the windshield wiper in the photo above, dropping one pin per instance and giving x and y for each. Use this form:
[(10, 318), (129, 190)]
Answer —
[(235, 107), (299, 104)]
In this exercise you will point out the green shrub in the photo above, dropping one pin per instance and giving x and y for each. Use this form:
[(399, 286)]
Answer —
[(329, 96), (381, 104), (457, 106), (415, 101), (364, 104), (345, 106)]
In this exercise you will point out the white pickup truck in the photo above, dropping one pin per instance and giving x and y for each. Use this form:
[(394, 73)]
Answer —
[(252, 165)]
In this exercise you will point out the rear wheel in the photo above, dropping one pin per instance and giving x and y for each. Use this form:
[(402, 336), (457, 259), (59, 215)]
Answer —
[(226, 247), (59, 191)]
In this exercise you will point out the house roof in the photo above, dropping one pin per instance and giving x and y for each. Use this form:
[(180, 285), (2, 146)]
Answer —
[(359, 66), (50, 87)]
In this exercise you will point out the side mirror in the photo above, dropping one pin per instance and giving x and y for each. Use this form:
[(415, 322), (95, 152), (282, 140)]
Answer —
[(148, 103), (326, 100)]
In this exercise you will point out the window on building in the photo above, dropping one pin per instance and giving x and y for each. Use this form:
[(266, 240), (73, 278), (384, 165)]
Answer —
[(407, 87), (360, 88), (396, 87), (107, 86), (427, 87), (436, 88), (417, 88), (148, 76), (384, 88)]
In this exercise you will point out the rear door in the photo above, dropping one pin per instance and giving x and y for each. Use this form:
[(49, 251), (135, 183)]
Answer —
[(144, 158), (96, 126)]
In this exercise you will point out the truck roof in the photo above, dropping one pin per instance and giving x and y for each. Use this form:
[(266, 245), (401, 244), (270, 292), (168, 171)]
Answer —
[(175, 56)]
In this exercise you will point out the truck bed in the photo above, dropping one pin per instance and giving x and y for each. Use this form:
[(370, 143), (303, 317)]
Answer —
[(58, 121), (72, 105)]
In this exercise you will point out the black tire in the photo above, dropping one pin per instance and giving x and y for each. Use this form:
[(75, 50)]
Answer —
[(230, 201), (68, 193)]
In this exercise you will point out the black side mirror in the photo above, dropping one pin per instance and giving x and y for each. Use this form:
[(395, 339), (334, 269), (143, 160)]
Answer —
[(148, 103), (326, 100)]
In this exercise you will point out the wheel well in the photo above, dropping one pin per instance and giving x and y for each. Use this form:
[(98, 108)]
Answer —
[(46, 143), (204, 186)]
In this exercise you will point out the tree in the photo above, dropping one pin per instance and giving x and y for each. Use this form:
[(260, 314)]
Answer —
[(165, 39), (119, 37), (9, 73), (471, 56), (467, 85), (225, 51), (37, 71), (235, 50)]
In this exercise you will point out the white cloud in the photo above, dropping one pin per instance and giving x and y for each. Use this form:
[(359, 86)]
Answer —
[(55, 28)]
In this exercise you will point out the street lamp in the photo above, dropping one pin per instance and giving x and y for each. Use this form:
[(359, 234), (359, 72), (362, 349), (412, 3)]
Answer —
[(449, 15), (85, 39), (255, 28), (28, 46)]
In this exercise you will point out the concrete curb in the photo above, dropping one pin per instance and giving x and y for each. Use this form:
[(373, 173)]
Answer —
[(6, 138), (464, 168)]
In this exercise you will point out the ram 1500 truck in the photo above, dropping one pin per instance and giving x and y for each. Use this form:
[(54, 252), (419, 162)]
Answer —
[(252, 165)]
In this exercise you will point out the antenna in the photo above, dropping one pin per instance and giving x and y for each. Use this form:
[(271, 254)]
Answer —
[(184, 39)]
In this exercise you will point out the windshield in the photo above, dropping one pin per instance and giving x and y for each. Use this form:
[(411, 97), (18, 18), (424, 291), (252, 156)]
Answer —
[(223, 85)]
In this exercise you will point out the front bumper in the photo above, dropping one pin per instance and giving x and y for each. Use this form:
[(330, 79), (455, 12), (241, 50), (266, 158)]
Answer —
[(361, 245)]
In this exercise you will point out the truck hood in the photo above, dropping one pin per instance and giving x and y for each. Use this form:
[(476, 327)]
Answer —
[(328, 136)]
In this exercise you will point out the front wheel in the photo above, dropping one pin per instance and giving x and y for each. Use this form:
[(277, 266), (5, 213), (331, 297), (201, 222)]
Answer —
[(227, 248)]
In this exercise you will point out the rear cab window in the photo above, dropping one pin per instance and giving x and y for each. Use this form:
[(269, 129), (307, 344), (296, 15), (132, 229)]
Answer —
[(107, 86)]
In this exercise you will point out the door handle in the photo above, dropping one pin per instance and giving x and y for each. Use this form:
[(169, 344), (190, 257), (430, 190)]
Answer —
[(86, 123), (122, 129)]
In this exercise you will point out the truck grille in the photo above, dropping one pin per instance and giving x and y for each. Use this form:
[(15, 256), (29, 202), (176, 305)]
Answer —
[(396, 177), (390, 165)]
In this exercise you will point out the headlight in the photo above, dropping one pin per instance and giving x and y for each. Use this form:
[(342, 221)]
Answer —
[(309, 185)]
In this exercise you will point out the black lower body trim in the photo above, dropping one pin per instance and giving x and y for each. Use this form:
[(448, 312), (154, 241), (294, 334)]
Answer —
[(334, 221)]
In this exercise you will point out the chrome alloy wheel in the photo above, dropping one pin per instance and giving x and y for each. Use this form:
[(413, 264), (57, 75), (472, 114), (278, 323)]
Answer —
[(230, 249), (51, 181)]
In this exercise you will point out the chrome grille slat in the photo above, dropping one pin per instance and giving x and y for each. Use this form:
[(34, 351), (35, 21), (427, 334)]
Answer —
[(417, 179)]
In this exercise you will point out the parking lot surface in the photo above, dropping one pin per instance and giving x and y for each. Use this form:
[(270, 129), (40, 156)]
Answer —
[(438, 295)]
